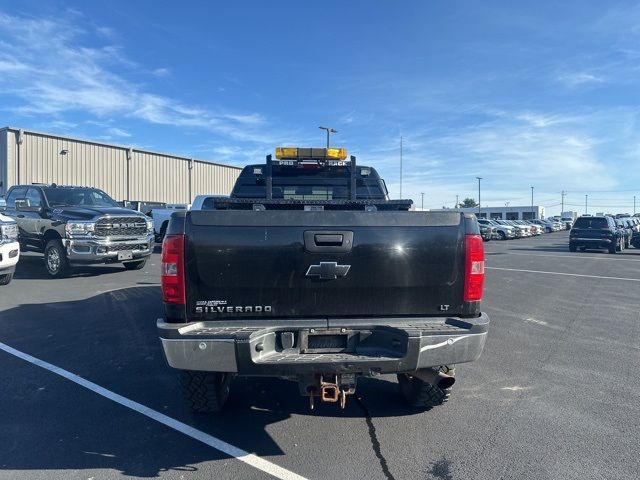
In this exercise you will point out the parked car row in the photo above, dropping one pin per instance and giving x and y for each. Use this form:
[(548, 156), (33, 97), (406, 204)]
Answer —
[(604, 232), (508, 229)]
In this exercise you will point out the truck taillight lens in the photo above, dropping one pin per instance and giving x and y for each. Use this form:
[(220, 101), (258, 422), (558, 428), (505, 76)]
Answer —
[(473, 268), (172, 277)]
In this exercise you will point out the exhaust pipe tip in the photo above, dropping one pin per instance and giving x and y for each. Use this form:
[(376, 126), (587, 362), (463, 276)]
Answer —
[(446, 382), (434, 377)]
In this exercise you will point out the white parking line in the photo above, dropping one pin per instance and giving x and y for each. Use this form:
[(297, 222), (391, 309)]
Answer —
[(224, 447), (565, 274), (578, 256)]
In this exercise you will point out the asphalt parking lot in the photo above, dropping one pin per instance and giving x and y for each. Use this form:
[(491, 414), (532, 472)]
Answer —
[(556, 393)]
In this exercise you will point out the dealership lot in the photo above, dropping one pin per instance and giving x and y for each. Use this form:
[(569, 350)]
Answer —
[(555, 394)]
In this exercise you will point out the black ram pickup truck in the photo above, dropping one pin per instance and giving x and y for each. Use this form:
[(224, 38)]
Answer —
[(78, 226), (308, 272)]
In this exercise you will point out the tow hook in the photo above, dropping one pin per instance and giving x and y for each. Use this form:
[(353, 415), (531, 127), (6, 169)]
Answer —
[(333, 392)]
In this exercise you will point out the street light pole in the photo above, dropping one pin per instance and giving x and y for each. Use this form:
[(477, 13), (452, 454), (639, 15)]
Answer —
[(479, 178), (586, 203), (562, 207), (533, 214), (401, 167), (329, 132), (457, 202), (422, 202)]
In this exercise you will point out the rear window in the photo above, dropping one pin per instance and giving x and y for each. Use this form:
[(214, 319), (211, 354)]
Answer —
[(593, 222), (329, 183)]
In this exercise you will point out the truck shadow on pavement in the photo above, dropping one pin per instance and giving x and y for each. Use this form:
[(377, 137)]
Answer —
[(110, 339)]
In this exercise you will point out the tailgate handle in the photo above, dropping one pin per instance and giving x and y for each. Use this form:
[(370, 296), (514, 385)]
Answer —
[(324, 241), (328, 239)]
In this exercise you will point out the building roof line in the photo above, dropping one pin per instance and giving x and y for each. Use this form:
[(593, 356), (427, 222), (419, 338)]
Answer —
[(113, 145)]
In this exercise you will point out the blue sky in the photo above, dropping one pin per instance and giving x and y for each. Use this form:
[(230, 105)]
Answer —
[(541, 94)]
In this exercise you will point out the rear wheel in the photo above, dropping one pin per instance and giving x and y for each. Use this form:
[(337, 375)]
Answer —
[(421, 394), (139, 265), (205, 392), (55, 259), (6, 278), (572, 248), (613, 249)]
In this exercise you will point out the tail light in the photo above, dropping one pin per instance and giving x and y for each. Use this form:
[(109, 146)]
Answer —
[(473, 268), (172, 278)]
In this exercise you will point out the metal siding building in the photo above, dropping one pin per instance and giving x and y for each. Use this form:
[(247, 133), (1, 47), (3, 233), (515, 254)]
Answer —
[(124, 173)]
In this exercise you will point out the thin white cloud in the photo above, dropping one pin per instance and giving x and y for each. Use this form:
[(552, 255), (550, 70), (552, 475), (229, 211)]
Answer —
[(118, 132), (161, 72), (577, 79)]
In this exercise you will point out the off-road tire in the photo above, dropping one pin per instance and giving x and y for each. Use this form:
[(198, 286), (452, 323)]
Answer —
[(139, 265), (6, 278), (59, 268), (421, 394), (205, 392)]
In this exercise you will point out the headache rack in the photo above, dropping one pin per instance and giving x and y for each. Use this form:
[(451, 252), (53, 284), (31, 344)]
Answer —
[(310, 158)]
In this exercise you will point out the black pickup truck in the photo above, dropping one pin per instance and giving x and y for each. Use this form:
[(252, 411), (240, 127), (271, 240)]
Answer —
[(78, 226), (308, 272)]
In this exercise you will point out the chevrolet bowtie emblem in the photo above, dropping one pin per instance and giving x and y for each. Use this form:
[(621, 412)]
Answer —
[(328, 270)]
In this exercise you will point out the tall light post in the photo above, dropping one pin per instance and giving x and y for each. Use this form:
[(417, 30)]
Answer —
[(532, 214), (479, 178), (562, 207), (586, 203), (422, 201), (401, 141), (457, 202), (329, 132)]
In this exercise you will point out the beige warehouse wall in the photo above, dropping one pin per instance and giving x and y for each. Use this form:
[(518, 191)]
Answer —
[(212, 179), (41, 161), (145, 176), (159, 178)]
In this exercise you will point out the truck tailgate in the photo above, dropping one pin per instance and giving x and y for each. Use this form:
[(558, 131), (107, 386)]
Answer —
[(279, 264)]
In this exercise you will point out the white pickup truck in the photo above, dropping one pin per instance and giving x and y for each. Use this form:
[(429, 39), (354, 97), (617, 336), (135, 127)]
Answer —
[(9, 248), (161, 217)]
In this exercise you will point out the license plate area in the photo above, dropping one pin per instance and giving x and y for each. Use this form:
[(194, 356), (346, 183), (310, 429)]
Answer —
[(328, 341), (125, 255)]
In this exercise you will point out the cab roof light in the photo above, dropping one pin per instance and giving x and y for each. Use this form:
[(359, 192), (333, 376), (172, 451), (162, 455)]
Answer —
[(300, 153)]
